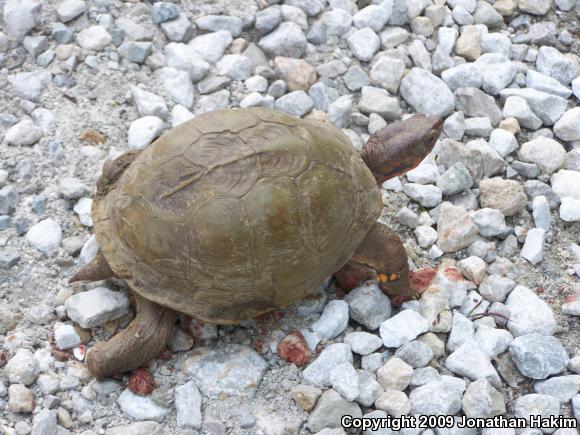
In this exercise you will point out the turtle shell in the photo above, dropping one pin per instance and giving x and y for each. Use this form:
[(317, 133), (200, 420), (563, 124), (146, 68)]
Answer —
[(237, 212)]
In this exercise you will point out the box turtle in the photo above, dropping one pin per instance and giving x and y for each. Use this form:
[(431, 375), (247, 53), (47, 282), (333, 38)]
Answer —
[(241, 211)]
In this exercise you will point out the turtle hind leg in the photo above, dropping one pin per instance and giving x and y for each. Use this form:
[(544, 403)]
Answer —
[(143, 340), (97, 269), (381, 256)]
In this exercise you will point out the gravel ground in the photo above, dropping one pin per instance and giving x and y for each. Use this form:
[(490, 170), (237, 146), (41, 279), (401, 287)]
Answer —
[(490, 219)]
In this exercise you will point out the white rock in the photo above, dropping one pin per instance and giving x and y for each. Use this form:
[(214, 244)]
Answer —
[(470, 361), (547, 153), (363, 343), (21, 16), (493, 341), (533, 249), (93, 38), (566, 183), (66, 337), (364, 43), (179, 115), (541, 213), (23, 133), (345, 381), (143, 131), (568, 126), (211, 46), (148, 104), (70, 9), (235, 66), (96, 307), (140, 408), (529, 314), (31, 84), (368, 305), (83, 209), (503, 142), (45, 236), (22, 368), (183, 57), (177, 84), (318, 371), (570, 209), (333, 320), (426, 236), (188, 404), (427, 93), (402, 328)]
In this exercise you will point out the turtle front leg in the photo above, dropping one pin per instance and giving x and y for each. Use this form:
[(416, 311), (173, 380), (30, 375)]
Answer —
[(380, 256), (144, 339)]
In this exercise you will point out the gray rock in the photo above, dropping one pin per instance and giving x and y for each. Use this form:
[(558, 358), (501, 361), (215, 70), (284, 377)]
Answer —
[(8, 199), (311, 7), (363, 343), (22, 368), (297, 103), (455, 228), (287, 40), (235, 66), (188, 404), (418, 85), (318, 371), (143, 131), (399, 15), (503, 142), (371, 363), (478, 127), (8, 258), (402, 328), (438, 397), (61, 33), (563, 388), (489, 222), (549, 108), (141, 408), (329, 410), (482, 400), (474, 102), (336, 21), (496, 288), (368, 305), (211, 46), (72, 188), (393, 36), (232, 370), (340, 111), (45, 236), (534, 188), (322, 95), (268, 19), (455, 180), (44, 423), (215, 101), (529, 314), (135, 51), (495, 76), (21, 16), (70, 9), (462, 330), (556, 65), (470, 361), (96, 307), (373, 16), (415, 353), (518, 108), (215, 23), (427, 195), (164, 11), (212, 83), (364, 43), (407, 217), (183, 57), (538, 356), (496, 43), (35, 44), (178, 29), (376, 100), (541, 213), (426, 236)]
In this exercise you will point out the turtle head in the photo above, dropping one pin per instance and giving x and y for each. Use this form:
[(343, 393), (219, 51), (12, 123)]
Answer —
[(401, 146)]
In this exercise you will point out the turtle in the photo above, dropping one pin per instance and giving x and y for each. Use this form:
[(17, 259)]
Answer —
[(241, 211)]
